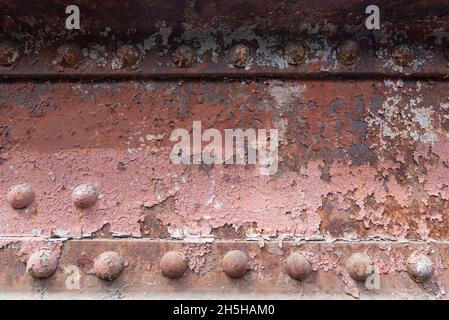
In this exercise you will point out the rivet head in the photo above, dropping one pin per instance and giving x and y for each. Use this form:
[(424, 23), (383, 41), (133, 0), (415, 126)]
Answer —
[(20, 196), (9, 53), (108, 265), (127, 56), (402, 55), (69, 55), (294, 53), (173, 265), (419, 267), (298, 267), (360, 266), (240, 56), (42, 263), (85, 195), (183, 57), (235, 264), (347, 52)]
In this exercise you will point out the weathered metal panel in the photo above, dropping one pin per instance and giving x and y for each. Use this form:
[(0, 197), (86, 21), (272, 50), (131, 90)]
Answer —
[(362, 166), (357, 160), (212, 29), (266, 277)]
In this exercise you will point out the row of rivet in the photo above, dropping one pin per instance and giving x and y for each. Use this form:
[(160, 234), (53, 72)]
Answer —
[(22, 195), (70, 55), (234, 262), (108, 265)]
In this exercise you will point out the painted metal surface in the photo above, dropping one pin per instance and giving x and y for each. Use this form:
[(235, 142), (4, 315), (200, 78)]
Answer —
[(85, 124), (205, 278), (212, 29), (357, 160)]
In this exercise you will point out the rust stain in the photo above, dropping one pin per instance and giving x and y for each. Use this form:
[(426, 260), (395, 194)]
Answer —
[(345, 152), (266, 275), (363, 120)]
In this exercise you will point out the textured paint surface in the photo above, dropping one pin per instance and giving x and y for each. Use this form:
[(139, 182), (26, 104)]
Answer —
[(266, 277), (363, 158), (155, 30), (357, 160)]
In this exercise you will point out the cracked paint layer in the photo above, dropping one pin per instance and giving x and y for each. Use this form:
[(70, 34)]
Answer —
[(363, 160)]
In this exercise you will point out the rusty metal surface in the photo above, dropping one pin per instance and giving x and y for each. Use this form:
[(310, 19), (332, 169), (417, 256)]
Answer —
[(212, 29), (320, 62), (266, 276), (357, 160), (140, 14), (87, 184)]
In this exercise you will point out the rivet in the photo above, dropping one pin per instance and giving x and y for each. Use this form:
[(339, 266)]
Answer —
[(183, 57), (85, 195), (9, 53), (298, 267), (402, 55), (360, 266), (294, 53), (20, 196), (69, 55), (108, 265), (172, 265), (42, 263), (235, 264), (419, 267), (240, 55), (127, 56), (347, 52)]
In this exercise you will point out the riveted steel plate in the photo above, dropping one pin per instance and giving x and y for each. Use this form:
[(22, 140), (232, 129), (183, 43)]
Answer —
[(89, 120), (204, 278), (211, 29), (357, 160)]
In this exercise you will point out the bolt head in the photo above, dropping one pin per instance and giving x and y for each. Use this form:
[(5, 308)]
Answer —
[(20, 196), (240, 56), (42, 263), (183, 57), (235, 264), (294, 53), (85, 195), (298, 267), (419, 267), (172, 265), (69, 55), (402, 55), (127, 56), (108, 265), (360, 266), (9, 53), (347, 52)]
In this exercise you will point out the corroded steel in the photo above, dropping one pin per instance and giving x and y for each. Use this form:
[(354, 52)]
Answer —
[(91, 204), (122, 39), (357, 160), (266, 276)]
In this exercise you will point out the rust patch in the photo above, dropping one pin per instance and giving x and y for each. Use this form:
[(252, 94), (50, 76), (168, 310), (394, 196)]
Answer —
[(349, 165), (267, 274), (103, 233), (152, 227)]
